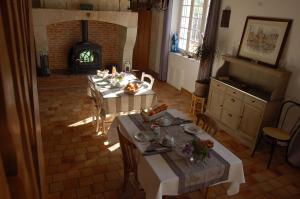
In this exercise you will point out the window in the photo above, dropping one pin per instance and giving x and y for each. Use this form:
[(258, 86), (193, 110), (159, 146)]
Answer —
[(192, 21)]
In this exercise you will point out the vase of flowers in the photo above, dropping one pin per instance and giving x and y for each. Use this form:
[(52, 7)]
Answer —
[(197, 150)]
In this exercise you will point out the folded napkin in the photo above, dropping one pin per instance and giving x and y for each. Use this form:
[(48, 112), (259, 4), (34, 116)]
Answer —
[(179, 121), (156, 148)]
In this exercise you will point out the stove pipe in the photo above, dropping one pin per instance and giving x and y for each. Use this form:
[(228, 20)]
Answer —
[(84, 30)]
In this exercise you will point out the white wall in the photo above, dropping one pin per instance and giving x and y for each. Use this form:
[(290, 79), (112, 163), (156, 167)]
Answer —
[(182, 72), (229, 38)]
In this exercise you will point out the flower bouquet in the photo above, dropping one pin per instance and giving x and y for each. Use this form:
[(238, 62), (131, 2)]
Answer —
[(197, 150)]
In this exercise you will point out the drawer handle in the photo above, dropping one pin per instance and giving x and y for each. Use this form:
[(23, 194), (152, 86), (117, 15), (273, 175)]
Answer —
[(221, 105), (218, 84), (234, 92), (233, 100), (229, 115), (253, 101)]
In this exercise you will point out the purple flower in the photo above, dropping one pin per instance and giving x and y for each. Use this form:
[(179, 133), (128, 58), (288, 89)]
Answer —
[(188, 149)]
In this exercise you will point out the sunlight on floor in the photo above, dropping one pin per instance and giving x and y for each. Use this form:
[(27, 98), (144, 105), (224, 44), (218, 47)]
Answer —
[(114, 147), (82, 122)]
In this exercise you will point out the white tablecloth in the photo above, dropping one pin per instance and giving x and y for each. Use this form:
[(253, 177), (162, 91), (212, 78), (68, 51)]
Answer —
[(114, 100), (155, 175)]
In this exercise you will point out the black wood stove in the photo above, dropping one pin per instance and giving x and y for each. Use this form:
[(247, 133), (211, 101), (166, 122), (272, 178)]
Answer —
[(85, 57)]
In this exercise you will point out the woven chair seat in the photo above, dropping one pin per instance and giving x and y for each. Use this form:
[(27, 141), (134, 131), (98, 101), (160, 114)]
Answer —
[(277, 133)]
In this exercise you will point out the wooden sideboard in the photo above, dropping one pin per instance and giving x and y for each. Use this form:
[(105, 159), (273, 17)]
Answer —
[(244, 97)]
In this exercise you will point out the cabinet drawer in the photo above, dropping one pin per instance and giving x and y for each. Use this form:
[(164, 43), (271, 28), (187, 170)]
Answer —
[(233, 105), (218, 85), (250, 120), (230, 120), (235, 93), (254, 102)]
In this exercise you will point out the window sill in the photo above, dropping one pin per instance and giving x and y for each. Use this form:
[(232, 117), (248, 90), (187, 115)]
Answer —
[(185, 57)]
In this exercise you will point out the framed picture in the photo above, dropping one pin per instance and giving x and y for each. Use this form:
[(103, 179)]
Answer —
[(263, 39)]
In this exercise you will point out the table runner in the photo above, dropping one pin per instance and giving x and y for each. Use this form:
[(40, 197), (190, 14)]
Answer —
[(191, 176)]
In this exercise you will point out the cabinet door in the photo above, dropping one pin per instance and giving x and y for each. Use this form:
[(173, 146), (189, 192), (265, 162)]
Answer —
[(216, 102), (230, 119), (250, 121)]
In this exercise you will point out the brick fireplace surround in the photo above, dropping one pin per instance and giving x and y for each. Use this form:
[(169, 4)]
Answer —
[(57, 30), (62, 36)]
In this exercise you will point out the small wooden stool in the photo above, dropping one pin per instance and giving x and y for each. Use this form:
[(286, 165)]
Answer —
[(197, 105)]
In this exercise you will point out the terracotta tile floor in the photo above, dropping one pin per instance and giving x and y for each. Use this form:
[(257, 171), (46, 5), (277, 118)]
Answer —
[(79, 165)]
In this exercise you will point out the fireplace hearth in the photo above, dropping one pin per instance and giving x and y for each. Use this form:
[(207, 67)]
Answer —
[(85, 57)]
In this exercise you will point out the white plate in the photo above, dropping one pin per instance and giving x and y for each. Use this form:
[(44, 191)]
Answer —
[(163, 121), (102, 83), (192, 128)]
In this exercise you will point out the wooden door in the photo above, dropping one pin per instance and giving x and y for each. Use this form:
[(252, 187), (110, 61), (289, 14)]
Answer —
[(216, 100), (250, 120), (141, 50)]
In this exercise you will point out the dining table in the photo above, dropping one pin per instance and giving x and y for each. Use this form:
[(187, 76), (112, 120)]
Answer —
[(114, 99), (169, 172)]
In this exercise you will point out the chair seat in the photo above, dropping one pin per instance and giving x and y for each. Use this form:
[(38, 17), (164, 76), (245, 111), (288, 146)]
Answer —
[(277, 133)]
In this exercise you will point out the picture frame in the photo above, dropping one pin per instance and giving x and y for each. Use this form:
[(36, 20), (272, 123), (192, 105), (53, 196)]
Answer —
[(263, 39)]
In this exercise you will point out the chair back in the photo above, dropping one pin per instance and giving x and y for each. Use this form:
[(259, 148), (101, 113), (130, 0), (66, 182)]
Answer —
[(289, 117), (128, 152), (207, 124), (149, 77), (94, 93)]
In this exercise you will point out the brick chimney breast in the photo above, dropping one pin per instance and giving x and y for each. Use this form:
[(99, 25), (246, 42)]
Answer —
[(56, 30)]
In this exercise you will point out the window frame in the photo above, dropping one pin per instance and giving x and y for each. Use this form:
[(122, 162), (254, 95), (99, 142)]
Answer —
[(189, 30)]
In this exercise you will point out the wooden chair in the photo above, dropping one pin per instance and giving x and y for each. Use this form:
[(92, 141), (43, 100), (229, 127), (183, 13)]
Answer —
[(129, 158), (207, 124), (94, 94), (149, 77), (281, 133), (197, 104)]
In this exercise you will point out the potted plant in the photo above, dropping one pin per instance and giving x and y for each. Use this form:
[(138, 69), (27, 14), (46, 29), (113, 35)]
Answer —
[(203, 53)]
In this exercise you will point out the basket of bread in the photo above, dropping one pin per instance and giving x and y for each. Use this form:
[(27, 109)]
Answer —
[(132, 88), (154, 112)]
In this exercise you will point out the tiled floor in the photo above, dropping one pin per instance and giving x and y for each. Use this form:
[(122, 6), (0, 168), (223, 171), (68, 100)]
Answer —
[(79, 165)]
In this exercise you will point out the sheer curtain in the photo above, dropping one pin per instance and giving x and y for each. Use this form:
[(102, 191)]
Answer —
[(209, 40), (165, 44)]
